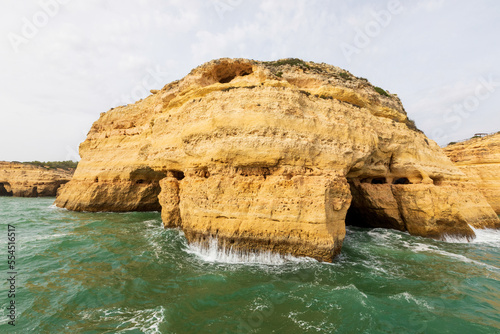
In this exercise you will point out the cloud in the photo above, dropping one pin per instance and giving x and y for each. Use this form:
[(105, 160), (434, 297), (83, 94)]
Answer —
[(95, 54)]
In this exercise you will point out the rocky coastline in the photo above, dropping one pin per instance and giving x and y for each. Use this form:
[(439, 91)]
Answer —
[(479, 159), (26, 180)]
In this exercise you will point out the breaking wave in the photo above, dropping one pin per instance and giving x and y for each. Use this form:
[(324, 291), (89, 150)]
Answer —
[(211, 252)]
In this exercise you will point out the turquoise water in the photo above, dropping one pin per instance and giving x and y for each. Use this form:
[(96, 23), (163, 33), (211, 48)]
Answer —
[(124, 273)]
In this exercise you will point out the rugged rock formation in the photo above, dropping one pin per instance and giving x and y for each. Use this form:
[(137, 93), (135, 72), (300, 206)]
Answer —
[(479, 159), (267, 156), (24, 180)]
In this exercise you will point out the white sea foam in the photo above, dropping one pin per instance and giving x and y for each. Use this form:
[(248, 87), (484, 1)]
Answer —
[(146, 321), (483, 236), (410, 298), (55, 207), (153, 223), (385, 234), (487, 236), (467, 260), (454, 239), (351, 287), (309, 326), (211, 252), (418, 247)]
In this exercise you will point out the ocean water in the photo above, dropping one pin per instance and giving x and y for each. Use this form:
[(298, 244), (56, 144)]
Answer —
[(123, 273)]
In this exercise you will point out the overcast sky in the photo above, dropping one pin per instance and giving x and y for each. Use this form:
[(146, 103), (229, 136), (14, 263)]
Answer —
[(63, 62)]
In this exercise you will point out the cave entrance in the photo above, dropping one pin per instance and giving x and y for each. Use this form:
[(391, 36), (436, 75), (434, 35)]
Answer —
[(373, 205), (5, 189)]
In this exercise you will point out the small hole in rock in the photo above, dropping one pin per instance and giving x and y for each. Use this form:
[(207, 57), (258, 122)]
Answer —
[(179, 175), (379, 180), (402, 180), (437, 181)]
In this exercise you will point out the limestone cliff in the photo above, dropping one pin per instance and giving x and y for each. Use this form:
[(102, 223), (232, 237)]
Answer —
[(272, 156), (479, 159), (24, 180)]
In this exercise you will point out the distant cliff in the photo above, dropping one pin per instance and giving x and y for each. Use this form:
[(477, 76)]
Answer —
[(479, 158), (26, 180), (274, 156)]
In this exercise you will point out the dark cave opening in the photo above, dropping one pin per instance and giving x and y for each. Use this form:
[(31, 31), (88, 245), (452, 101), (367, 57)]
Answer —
[(233, 75), (370, 206), (5, 189), (227, 79), (179, 175), (401, 180), (379, 180)]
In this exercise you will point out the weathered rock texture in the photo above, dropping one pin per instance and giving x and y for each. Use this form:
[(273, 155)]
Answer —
[(24, 180), (479, 159), (266, 157)]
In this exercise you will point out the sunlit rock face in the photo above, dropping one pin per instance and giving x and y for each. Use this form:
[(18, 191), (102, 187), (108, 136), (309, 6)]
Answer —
[(273, 156), (479, 159), (24, 180)]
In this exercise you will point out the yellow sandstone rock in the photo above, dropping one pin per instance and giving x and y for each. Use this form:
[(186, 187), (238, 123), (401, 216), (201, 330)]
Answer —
[(267, 156), (479, 159), (24, 180)]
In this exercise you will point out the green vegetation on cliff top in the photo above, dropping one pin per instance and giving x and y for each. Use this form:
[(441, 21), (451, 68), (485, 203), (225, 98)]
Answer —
[(68, 164)]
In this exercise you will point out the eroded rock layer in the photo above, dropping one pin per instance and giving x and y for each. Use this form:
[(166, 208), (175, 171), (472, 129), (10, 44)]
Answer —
[(265, 156), (479, 159), (24, 180)]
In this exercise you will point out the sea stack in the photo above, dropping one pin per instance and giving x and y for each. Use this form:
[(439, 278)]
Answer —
[(274, 156), (479, 159)]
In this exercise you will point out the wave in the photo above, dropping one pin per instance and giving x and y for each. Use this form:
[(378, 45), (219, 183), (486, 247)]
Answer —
[(410, 298), (309, 326), (153, 223), (146, 321), (56, 208), (483, 236), (454, 239), (487, 236), (425, 248), (397, 240), (212, 252)]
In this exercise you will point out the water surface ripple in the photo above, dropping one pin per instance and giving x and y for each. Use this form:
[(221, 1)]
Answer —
[(123, 273)]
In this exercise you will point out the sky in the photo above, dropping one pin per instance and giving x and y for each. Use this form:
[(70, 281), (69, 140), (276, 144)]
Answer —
[(63, 62)]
